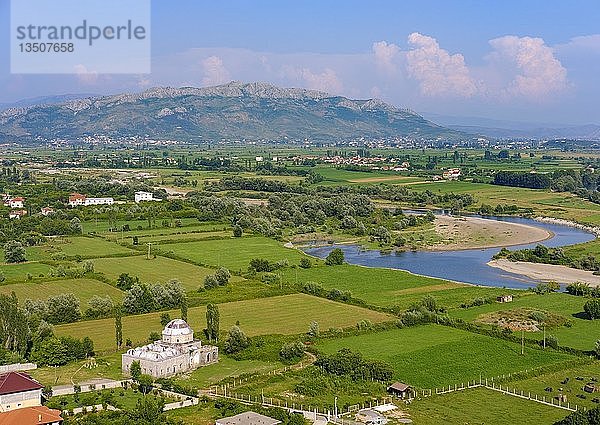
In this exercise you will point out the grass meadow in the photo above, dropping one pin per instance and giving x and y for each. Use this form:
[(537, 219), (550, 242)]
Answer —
[(18, 272), (481, 406), (288, 315), (235, 254), (84, 289), (582, 334), (159, 269), (434, 356)]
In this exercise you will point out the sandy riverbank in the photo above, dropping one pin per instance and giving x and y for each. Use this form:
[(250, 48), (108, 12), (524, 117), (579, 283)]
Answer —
[(547, 272), (474, 232)]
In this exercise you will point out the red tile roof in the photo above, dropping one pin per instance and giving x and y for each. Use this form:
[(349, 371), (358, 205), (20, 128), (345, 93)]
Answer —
[(39, 415), (398, 386), (16, 382)]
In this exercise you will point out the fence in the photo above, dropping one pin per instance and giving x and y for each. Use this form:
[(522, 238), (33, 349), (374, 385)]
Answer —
[(88, 386), (17, 367)]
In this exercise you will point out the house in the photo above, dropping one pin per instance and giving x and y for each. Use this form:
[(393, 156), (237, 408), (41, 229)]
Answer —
[(76, 199), (17, 214), (46, 211), (176, 352), (504, 298), (39, 415), (451, 174), (17, 390), (248, 418), (400, 390), (144, 196), (370, 417), (17, 202)]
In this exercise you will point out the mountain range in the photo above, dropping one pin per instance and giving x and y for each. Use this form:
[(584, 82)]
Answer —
[(233, 111), (502, 129)]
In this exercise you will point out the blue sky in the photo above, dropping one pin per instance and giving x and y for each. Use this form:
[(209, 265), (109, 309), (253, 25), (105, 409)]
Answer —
[(516, 60)]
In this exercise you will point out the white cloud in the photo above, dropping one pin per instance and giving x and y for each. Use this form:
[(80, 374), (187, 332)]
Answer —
[(84, 75), (386, 55), (326, 81), (439, 73), (215, 72), (539, 73)]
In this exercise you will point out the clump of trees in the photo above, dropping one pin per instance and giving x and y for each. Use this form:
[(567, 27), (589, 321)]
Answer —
[(236, 341), (351, 364), (219, 278), (14, 252), (144, 298), (62, 308), (292, 351), (99, 307)]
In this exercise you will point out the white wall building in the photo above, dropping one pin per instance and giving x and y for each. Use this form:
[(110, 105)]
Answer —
[(144, 196), (176, 352)]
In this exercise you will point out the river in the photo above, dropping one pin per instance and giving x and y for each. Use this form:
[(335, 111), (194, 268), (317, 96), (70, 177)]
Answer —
[(469, 266)]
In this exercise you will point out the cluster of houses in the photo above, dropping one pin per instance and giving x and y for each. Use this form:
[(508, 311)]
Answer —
[(21, 401), (373, 163), (17, 204)]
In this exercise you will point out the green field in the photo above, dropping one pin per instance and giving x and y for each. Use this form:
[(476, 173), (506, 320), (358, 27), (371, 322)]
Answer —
[(557, 381), (289, 314), (583, 333), (159, 269), (84, 289), (235, 254), (434, 356), (481, 406), (18, 272), (86, 247), (387, 287)]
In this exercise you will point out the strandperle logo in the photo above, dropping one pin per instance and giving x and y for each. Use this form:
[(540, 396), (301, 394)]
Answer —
[(80, 37), (87, 32)]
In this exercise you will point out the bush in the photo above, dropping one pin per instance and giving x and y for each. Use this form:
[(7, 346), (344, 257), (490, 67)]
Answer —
[(305, 263), (292, 350), (236, 341), (14, 252), (335, 257), (592, 309)]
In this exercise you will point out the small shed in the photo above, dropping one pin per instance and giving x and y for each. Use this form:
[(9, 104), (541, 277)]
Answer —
[(400, 390), (504, 298), (591, 387)]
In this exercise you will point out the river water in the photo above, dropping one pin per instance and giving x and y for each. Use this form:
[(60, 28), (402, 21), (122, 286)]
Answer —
[(469, 266)]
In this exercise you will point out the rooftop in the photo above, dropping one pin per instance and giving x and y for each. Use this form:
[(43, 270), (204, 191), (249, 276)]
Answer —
[(39, 415), (16, 382)]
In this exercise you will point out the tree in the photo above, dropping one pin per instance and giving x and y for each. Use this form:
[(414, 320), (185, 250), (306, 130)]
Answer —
[(212, 322), (305, 263), (75, 226), (88, 267), (118, 326), (125, 282), (335, 257), (236, 341), (14, 252), (135, 370), (292, 350), (592, 309), (313, 330), (237, 231), (210, 281), (222, 276), (99, 307), (154, 336), (184, 308), (597, 348), (164, 319), (63, 308)]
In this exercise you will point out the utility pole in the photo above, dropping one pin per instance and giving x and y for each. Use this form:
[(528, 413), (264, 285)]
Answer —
[(335, 413), (522, 342), (544, 336), (149, 245)]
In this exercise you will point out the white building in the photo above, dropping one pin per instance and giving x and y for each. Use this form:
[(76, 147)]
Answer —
[(248, 418), (77, 199), (17, 390), (144, 196), (176, 352), (17, 202)]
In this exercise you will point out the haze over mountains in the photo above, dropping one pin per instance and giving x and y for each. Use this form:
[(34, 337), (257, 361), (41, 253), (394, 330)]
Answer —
[(233, 111), (502, 129)]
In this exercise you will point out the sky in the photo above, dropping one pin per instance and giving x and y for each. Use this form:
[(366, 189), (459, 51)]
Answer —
[(527, 60)]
